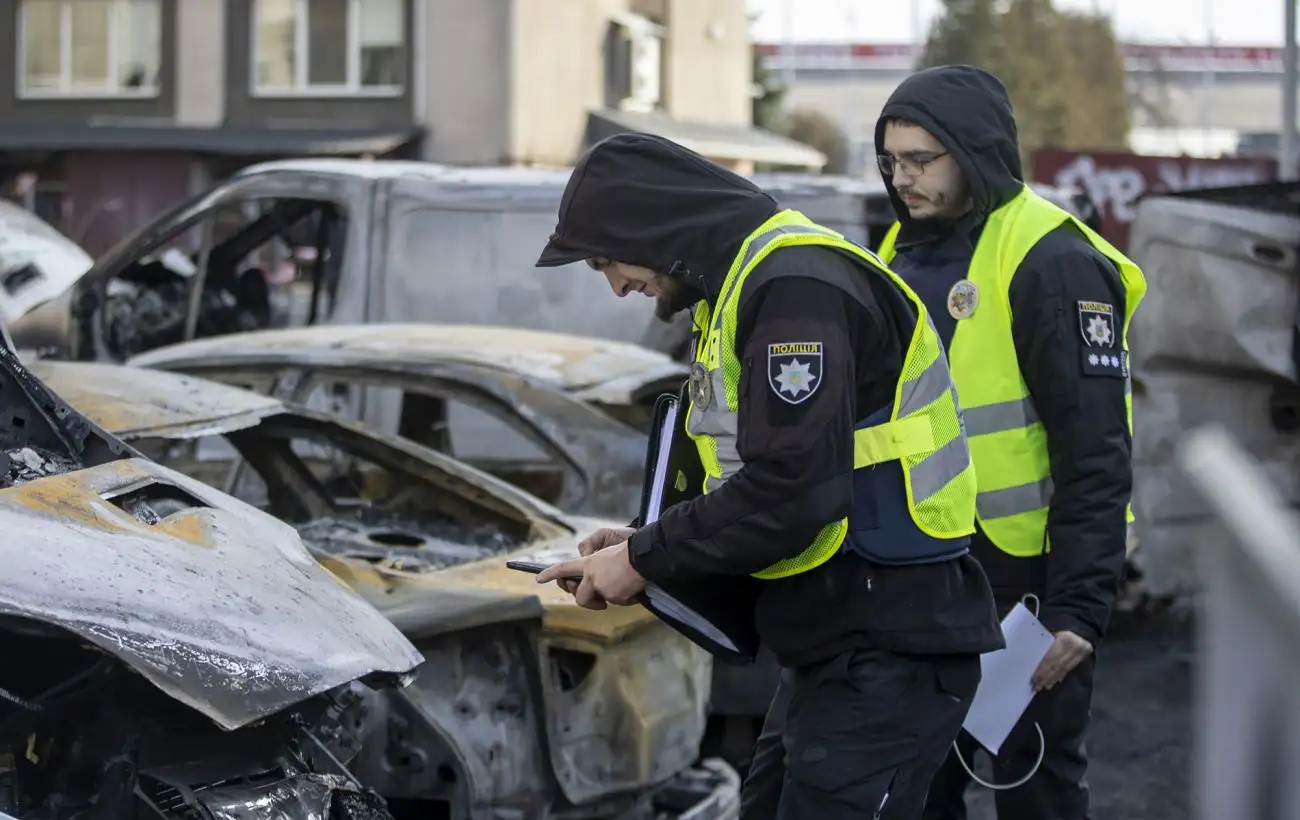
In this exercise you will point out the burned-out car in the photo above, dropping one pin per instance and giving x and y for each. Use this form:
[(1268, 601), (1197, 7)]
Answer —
[(563, 416), (560, 415), (168, 651), (334, 241), (526, 705)]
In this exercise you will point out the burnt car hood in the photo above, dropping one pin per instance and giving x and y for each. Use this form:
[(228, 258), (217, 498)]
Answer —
[(220, 606)]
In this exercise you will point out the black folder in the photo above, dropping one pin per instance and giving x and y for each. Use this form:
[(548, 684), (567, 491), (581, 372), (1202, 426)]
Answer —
[(717, 612)]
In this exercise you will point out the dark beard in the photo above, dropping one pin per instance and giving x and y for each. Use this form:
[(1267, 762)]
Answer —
[(948, 214), (674, 300)]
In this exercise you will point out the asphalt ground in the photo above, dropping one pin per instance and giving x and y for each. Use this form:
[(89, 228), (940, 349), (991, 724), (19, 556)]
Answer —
[(1140, 745)]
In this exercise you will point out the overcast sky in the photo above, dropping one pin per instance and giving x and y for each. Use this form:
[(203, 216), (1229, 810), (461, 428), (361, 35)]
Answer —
[(1233, 22)]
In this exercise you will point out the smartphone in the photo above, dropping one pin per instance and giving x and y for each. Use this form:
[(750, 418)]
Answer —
[(526, 566), (535, 567)]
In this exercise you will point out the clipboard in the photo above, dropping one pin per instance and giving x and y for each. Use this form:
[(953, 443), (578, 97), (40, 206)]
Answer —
[(715, 613)]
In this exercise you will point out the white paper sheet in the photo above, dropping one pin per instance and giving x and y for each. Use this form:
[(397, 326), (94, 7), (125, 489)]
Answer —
[(1007, 685)]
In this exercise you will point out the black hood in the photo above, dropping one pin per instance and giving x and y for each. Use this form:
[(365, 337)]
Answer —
[(967, 109), (648, 201)]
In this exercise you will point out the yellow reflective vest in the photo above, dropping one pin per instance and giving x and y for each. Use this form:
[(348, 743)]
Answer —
[(1007, 440), (922, 432)]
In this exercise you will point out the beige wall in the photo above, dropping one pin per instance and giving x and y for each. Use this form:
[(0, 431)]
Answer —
[(559, 69), (559, 75), (201, 63), (708, 72), (464, 79)]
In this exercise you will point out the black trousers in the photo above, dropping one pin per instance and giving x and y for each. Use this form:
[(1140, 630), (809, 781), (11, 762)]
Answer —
[(859, 736), (1058, 790)]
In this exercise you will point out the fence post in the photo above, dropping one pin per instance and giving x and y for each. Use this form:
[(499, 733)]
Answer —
[(1247, 684)]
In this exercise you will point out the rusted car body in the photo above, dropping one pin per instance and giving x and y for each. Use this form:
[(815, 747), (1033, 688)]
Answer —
[(167, 649), (525, 700), (562, 416)]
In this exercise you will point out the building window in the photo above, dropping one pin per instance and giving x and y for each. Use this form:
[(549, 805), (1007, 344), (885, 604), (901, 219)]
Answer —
[(633, 63), (329, 47), (89, 48)]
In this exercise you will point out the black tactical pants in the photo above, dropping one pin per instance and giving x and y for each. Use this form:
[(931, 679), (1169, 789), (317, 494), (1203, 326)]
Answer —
[(859, 736), (1058, 790)]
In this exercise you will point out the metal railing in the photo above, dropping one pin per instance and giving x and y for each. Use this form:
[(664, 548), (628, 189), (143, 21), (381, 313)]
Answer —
[(1247, 685)]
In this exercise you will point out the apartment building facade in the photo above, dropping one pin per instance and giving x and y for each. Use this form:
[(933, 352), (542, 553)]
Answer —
[(111, 110)]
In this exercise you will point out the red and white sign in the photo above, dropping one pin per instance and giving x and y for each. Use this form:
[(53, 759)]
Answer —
[(1114, 181), (1137, 57)]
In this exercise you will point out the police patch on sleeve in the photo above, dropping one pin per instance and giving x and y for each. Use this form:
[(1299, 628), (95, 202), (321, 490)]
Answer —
[(1112, 363), (1097, 324), (794, 370)]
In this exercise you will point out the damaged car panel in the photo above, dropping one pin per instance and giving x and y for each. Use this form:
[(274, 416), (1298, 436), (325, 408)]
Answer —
[(163, 640), (240, 624), (1216, 341), (561, 416), (524, 695), (37, 263)]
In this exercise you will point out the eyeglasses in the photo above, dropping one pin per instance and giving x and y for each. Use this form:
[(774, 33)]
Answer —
[(914, 166), (598, 263)]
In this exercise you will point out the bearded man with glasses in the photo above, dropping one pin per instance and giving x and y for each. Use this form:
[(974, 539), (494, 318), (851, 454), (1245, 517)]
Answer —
[(1033, 307)]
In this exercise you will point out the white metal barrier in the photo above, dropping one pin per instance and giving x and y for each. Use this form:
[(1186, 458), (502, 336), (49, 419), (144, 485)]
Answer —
[(1247, 693)]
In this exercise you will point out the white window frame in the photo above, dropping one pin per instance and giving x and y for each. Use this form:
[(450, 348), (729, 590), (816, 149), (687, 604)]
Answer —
[(300, 88), (112, 91)]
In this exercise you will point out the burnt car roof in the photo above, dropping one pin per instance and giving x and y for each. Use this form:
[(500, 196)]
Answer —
[(135, 403), (154, 402), (590, 368)]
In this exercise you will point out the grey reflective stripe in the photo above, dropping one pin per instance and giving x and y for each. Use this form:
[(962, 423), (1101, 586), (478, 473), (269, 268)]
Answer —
[(934, 472), (1000, 417), (932, 383), (753, 249), (718, 422), (926, 388), (1014, 500)]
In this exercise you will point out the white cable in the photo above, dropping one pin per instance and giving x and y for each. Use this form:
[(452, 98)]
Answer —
[(1042, 742), (1001, 787)]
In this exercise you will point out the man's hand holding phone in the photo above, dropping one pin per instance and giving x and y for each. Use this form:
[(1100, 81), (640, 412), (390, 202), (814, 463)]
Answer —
[(603, 575)]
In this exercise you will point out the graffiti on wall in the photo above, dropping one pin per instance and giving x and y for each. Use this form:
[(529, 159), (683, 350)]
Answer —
[(1115, 181)]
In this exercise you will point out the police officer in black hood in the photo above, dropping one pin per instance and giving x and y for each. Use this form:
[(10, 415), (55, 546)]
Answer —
[(1033, 307), (837, 474)]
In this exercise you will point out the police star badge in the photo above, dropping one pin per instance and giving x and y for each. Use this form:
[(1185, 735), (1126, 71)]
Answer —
[(1097, 324), (963, 298), (701, 388), (794, 370)]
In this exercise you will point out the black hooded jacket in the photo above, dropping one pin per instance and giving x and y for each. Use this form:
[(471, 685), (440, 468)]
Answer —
[(650, 202), (1080, 403)]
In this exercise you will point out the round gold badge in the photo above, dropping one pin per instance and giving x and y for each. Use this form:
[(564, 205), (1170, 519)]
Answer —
[(963, 299)]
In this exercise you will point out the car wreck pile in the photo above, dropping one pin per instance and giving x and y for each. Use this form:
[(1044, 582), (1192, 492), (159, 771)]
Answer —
[(219, 605)]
